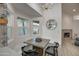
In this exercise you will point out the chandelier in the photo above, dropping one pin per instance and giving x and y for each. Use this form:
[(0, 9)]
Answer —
[(46, 6)]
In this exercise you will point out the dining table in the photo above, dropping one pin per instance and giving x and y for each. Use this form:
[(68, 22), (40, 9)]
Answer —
[(39, 46)]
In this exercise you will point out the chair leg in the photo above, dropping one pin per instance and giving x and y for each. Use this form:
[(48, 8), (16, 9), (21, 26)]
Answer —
[(56, 52), (45, 54)]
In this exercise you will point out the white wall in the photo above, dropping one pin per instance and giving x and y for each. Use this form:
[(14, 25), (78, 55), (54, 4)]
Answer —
[(54, 13), (76, 27), (67, 21)]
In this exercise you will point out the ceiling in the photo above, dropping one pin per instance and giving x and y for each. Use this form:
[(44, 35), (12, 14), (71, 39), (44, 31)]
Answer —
[(68, 8), (24, 9), (46, 6)]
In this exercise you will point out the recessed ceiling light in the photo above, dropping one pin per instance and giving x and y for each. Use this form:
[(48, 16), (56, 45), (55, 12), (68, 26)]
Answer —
[(74, 10)]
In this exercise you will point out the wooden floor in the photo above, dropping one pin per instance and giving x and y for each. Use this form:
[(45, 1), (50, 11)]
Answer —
[(68, 48)]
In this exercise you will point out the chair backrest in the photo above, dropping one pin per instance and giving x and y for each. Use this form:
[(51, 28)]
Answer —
[(56, 44), (22, 48)]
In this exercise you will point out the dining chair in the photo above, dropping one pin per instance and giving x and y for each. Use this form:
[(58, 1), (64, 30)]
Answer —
[(28, 52), (52, 49)]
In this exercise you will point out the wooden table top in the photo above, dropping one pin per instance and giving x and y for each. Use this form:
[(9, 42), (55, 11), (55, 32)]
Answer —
[(41, 44)]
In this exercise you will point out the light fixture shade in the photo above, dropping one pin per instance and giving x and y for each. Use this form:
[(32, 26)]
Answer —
[(3, 21), (46, 6)]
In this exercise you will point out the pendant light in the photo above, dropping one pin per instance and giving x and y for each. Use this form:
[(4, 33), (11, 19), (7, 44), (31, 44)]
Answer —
[(3, 15), (3, 20)]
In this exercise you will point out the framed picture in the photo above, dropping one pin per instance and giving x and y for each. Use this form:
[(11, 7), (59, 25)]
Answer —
[(35, 27)]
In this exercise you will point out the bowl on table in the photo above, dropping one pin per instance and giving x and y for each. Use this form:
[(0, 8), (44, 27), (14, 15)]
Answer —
[(38, 39)]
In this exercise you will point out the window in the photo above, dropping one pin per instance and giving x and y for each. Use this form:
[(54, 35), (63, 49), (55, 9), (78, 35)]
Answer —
[(9, 25), (35, 28), (22, 26)]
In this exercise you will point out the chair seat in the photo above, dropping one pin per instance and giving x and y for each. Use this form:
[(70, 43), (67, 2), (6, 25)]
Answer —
[(50, 50), (30, 53)]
